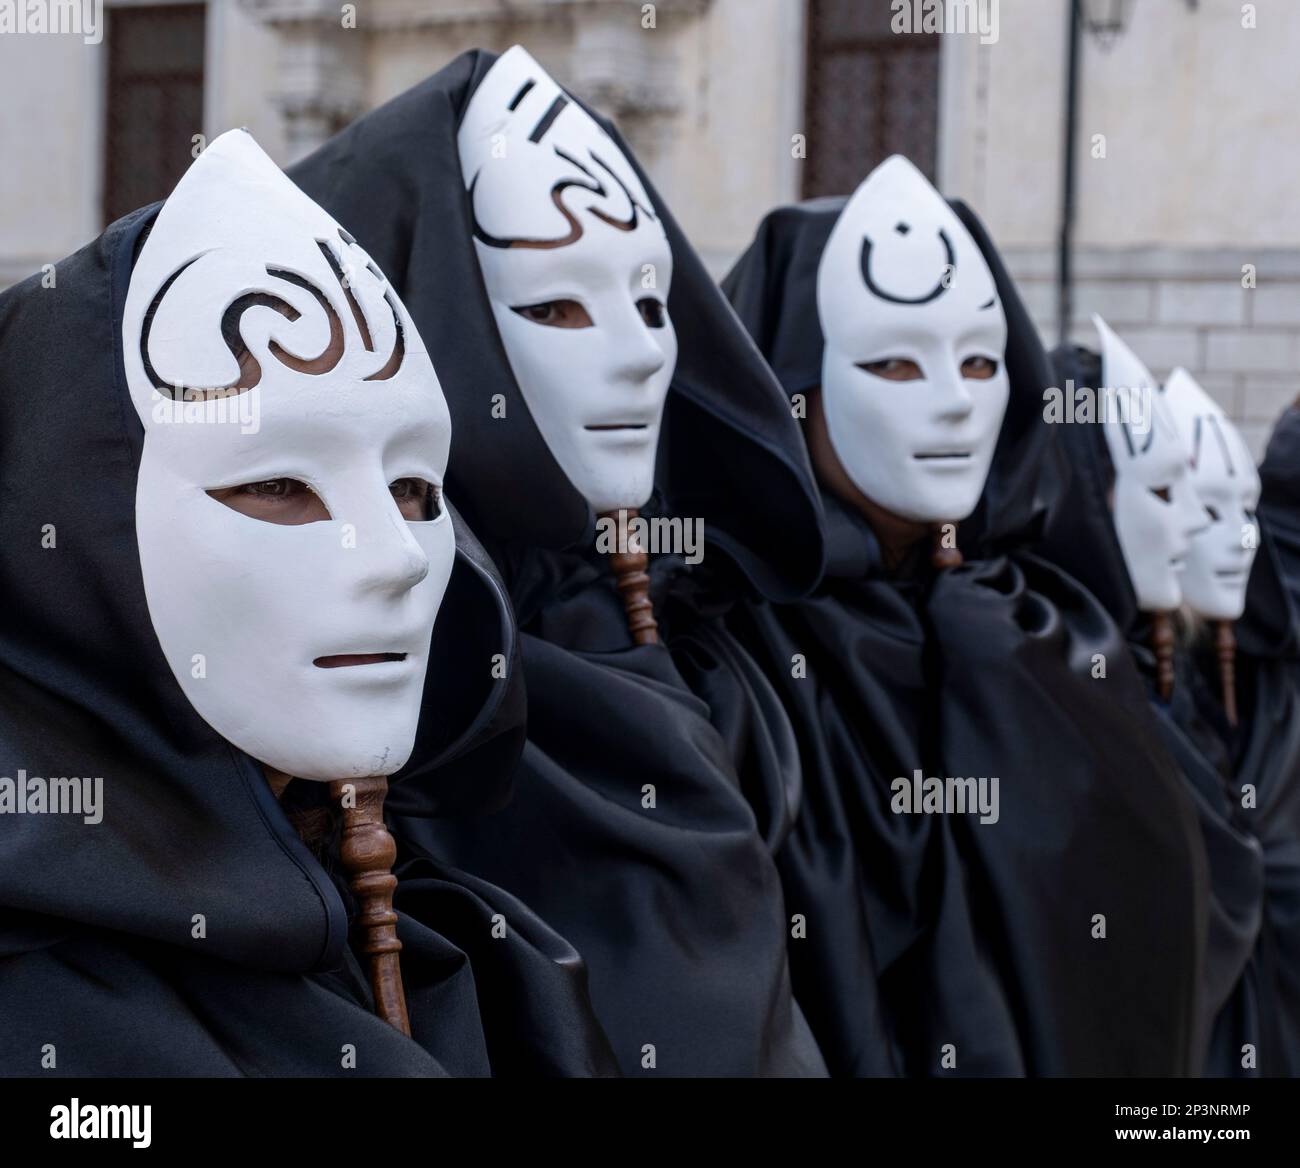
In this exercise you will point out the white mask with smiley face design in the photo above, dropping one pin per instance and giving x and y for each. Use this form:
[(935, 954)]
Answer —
[(305, 646), (914, 379)]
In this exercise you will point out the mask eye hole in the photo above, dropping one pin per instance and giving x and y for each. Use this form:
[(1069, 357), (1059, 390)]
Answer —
[(286, 501), (567, 314), (652, 312), (979, 368), (1162, 493), (417, 499), (1212, 513), (894, 369)]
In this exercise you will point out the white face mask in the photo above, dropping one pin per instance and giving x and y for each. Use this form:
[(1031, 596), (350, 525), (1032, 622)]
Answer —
[(1156, 510), (902, 281), (244, 608), (542, 172), (1227, 484)]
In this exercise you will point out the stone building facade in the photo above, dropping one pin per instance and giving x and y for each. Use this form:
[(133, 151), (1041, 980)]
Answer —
[(1188, 149)]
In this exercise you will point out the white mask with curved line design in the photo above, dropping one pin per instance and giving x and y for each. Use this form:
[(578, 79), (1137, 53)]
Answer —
[(901, 278), (560, 214), (243, 608), (1156, 510), (1227, 484)]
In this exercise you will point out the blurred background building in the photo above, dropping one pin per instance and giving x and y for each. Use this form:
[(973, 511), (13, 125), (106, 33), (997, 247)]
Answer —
[(1186, 148)]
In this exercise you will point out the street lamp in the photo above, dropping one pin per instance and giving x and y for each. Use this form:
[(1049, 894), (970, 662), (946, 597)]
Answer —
[(1106, 20)]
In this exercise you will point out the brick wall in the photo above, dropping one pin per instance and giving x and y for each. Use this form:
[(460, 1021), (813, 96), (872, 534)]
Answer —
[(1187, 307)]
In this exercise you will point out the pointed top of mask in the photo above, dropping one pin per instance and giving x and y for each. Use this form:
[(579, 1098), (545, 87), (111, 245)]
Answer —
[(1121, 368), (236, 227), (1131, 404), (540, 170), (1188, 400), (897, 178), (899, 240)]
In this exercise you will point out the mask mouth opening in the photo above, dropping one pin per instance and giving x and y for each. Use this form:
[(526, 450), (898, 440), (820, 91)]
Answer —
[(605, 426), (1230, 573), (941, 455), (342, 660)]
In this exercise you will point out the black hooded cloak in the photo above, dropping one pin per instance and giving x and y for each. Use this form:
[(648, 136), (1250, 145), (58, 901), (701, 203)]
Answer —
[(1268, 668), (100, 969), (632, 830), (984, 936), (1192, 724), (1216, 760)]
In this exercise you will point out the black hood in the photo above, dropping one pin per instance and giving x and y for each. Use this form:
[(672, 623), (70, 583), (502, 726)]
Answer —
[(773, 288), (1081, 537), (1270, 626), (189, 823), (729, 453)]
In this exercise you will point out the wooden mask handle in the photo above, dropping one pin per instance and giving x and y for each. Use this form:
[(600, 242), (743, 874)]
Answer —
[(1225, 645), (633, 582), (368, 851), (1162, 644)]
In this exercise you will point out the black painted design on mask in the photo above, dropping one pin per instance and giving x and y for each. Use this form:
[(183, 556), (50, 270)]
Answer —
[(523, 93), (548, 118), (575, 232), (232, 315), (938, 290), (1203, 420)]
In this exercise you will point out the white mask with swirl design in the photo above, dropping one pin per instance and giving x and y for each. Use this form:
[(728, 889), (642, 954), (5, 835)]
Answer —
[(304, 645), (577, 269)]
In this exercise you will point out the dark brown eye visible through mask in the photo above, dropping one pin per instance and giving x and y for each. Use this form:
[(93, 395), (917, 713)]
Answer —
[(417, 499), (292, 503), (567, 314), (979, 368), (652, 312), (894, 369)]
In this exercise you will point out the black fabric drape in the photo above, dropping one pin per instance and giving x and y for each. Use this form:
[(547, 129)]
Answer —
[(1268, 742), (1250, 849), (104, 968), (981, 940), (631, 830)]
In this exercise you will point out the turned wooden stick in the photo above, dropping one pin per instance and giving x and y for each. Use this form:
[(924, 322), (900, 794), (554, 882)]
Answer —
[(941, 557), (1225, 645), (1162, 643), (633, 583), (367, 851)]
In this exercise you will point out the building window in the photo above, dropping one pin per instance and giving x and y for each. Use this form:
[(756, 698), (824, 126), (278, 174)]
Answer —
[(154, 101), (869, 93)]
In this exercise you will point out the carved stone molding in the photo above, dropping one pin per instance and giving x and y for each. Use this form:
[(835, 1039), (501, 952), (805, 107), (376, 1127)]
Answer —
[(321, 69), (622, 68), (413, 14)]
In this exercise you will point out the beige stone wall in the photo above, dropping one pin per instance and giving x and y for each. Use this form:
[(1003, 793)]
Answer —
[(49, 143), (1201, 166), (52, 119), (1199, 177), (1188, 306), (710, 97)]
